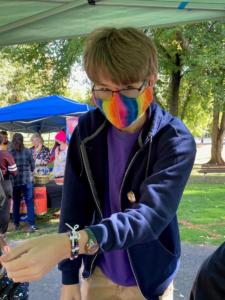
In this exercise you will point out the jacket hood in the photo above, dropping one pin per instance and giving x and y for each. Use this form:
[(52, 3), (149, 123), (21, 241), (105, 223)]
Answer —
[(159, 119)]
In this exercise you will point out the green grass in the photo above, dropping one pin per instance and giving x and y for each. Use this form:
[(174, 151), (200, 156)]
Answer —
[(201, 213), (201, 216), (46, 224)]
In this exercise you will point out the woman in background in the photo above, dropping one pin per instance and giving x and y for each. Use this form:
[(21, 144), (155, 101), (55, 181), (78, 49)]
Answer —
[(40, 152), (23, 182), (60, 154), (58, 161)]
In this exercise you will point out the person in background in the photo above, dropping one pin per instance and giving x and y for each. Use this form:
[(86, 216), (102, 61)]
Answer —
[(8, 169), (52, 156), (23, 182), (40, 152), (6, 145), (127, 165), (60, 155), (209, 283)]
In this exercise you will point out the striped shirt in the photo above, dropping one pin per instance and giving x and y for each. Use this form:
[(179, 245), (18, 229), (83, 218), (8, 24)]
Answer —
[(25, 166), (7, 164)]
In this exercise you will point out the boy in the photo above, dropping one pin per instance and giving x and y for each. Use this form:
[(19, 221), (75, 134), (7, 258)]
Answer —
[(127, 166)]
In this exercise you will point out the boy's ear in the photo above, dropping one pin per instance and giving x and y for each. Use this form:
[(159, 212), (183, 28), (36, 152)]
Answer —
[(152, 79)]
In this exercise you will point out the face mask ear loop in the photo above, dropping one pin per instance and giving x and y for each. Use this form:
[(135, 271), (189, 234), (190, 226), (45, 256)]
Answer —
[(94, 100)]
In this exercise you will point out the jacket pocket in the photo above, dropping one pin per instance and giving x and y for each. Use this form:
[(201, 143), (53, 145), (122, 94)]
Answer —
[(169, 239), (153, 264)]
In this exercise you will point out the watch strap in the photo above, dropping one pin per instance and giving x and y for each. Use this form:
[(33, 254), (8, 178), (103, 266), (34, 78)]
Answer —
[(92, 245)]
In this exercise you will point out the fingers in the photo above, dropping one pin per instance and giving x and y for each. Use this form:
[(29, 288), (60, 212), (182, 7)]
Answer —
[(6, 249), (20, 263), (34, 258), (25, 275), (25, 268), (26, 278), (14, 253)]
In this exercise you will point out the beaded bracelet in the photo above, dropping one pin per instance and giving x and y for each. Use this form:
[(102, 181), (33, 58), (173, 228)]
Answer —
[(74, 237)]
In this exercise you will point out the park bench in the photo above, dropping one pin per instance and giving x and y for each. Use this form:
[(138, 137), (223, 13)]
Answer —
[(211, 169)]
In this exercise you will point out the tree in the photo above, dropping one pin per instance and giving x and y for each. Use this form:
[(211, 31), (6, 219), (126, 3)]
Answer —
[(218, 124), (172, 48), (192, 77), (47, 66), (212, 58)]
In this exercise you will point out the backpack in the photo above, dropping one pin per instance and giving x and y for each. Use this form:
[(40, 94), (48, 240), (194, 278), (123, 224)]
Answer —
[(2, 191)]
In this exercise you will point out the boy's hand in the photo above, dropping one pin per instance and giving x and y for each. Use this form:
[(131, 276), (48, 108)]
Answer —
[(34, 258)]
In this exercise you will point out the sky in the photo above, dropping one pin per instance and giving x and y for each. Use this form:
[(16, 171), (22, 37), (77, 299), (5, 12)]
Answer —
[(79, 82)]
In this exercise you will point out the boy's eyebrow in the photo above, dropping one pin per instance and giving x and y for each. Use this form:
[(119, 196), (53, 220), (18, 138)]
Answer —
[(105, 85), (99, 83)]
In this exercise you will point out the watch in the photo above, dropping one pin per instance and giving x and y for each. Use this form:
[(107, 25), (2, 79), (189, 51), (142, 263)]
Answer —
[(92, 245)]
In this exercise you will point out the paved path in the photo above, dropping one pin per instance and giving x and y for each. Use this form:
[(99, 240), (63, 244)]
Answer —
[(192, 257)]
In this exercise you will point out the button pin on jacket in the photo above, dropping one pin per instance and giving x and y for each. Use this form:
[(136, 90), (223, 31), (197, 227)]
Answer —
[(131, 197)]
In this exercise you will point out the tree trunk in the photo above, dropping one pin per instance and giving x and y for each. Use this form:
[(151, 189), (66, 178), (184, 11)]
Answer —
[(186, 102), (175, 87), (218, 134), (13, 100)]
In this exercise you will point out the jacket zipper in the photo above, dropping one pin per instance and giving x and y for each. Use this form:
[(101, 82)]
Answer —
[(97, 202), (127, 170), (91, 267), (86, 167), (128, 254)]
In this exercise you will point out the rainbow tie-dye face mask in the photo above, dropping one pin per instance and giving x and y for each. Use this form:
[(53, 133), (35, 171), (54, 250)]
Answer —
[(122, 111)]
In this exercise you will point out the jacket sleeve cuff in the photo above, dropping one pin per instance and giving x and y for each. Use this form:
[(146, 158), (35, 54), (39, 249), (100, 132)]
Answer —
[(70, 277)]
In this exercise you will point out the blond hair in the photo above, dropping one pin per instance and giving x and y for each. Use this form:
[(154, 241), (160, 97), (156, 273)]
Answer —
[(124, 55), (37, 136)]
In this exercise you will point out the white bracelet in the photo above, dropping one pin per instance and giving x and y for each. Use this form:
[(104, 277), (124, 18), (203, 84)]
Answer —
[(74, 237)]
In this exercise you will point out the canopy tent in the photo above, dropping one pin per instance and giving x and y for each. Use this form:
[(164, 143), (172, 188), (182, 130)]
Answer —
[(45, 114), (23, 21)]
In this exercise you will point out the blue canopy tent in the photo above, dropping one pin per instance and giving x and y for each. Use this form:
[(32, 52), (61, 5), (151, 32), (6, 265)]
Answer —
[(45, 114)]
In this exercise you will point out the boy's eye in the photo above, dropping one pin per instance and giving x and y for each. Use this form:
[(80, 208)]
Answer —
[(102, 89)]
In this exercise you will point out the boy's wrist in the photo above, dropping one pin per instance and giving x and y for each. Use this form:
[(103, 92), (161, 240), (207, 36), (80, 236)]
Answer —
[(87, 243), (66, 245), (82, 241), (91, 246)]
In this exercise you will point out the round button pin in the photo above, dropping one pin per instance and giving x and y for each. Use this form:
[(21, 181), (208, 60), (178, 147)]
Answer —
[(131, 197)]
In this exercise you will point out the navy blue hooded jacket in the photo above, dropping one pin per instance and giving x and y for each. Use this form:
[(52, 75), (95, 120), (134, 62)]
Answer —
[(156, 173)]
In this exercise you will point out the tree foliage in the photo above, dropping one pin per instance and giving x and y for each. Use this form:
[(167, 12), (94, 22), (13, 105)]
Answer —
[(44, 68), (191, 72)]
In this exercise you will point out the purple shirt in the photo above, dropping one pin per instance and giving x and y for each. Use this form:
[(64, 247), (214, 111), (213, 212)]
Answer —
[(115, 264)]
